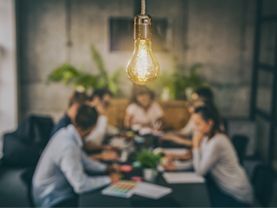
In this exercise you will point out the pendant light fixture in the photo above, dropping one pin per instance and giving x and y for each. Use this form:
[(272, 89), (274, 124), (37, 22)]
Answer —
[(143, 66)]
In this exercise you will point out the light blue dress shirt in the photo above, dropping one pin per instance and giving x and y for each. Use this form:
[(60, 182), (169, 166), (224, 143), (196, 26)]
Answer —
[(61, 170)]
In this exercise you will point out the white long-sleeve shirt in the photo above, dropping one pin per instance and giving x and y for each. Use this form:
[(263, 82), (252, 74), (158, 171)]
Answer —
[(100, 130), (218, 157), (189, 128), (61, 170)]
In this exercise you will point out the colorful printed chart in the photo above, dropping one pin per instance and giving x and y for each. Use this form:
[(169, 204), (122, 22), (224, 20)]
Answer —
[(124, 189)]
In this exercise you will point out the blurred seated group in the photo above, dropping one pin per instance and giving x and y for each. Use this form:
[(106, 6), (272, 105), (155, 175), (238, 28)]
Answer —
[(78, 146)]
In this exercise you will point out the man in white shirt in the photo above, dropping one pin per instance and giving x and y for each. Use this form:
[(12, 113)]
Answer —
[(61, 171), (100, 99)]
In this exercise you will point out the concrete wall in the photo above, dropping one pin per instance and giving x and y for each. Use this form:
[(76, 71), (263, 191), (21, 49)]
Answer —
[(8, 73), (220, 35), (217, 33)]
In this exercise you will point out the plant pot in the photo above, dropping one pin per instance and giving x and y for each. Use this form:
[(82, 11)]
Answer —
[(150, 174)]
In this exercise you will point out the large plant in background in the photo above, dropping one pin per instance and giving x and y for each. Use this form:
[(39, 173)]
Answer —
[(179, 82), (186, 80), (80, 80)]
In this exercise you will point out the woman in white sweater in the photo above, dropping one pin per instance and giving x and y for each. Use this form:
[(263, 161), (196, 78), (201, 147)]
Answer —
[(214, 155)]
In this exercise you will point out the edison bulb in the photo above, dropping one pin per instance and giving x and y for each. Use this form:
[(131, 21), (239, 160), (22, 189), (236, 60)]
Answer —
[(143, 66)]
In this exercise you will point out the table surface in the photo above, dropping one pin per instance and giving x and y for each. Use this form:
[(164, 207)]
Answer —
[(182, 195)]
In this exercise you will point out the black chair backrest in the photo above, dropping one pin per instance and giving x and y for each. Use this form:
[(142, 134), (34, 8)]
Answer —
[(263, 184), (240, 143), (22, 148)]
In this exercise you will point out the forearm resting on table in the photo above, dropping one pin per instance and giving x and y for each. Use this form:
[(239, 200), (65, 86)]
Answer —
[(107, 155), (185, 156), (178, 139), (90, 146)]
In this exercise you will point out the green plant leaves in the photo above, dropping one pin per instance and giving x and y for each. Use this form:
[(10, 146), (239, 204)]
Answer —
[(148, 159), (69, 75), (179, 80), (64, 73)]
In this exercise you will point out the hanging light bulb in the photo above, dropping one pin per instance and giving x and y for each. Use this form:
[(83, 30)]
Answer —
[(143, 66)]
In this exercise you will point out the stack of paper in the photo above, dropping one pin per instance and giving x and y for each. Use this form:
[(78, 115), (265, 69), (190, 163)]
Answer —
[(186, 177), (151, 191)]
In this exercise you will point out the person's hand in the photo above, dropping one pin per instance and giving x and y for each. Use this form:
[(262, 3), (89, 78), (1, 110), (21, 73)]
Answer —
[(108, 147), (100, 108), (114, 168), (169, 166), (186, 156), (109, 156), (157, 125), (197, 139), (168, 137), (115, 177), (170, 156)]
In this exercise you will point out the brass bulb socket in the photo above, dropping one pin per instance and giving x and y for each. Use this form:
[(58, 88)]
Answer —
[(142, 27)]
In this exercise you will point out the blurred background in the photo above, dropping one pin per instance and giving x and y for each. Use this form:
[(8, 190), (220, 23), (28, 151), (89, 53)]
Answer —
[(230, 46)]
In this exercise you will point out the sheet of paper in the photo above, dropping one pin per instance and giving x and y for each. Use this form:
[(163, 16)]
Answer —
[(177, 151), (151, 191), (183, 165), (184, 177), (119, 143)]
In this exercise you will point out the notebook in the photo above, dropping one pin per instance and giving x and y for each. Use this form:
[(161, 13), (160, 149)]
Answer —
[(151, 191), (184, 177)]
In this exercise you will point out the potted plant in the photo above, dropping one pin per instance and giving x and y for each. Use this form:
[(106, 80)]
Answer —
[(149, 161)]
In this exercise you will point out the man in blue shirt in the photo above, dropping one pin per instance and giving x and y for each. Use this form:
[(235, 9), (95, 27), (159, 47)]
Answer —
[(61, 171)]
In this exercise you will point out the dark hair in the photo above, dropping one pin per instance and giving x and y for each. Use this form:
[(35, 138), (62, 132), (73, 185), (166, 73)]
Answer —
[(86, 117), (141, 90), (209, 112), (205, 93), (101, 93), (78, 97)]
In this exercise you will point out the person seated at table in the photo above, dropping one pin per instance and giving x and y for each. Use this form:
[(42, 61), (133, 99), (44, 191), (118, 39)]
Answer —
[(143, 111), (214, 154), (76, 99), (200, 97), (100, 99), (60, 173)]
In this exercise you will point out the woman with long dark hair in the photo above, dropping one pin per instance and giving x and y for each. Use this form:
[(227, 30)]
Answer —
[(214, 155)]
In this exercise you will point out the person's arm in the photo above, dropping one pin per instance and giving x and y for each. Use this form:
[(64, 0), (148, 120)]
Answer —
[(159, 114), (128, 120), (177, 139), (92, 146), (106, 156), (92, 165), (72, 167), (189, 128), (98, 134), (203, 161), (182, 141)]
